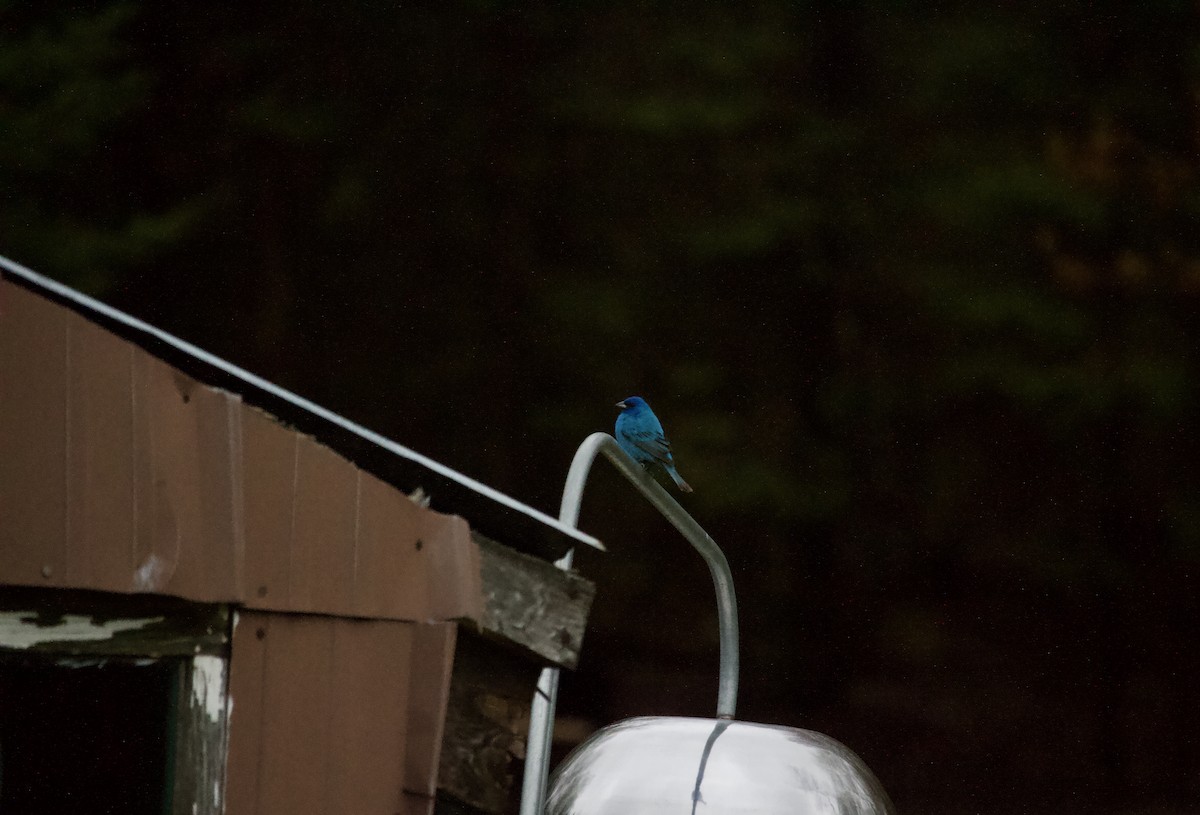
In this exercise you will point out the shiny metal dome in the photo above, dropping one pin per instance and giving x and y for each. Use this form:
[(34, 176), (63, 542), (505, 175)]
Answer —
[(712, 767)]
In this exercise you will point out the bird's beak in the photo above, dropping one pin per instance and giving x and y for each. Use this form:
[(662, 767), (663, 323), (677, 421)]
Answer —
[(622, 405)]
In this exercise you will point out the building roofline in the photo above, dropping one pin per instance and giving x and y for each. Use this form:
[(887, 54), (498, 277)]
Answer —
[(488, 510)]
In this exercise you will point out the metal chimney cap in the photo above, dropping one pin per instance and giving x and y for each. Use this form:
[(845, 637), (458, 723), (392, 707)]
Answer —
[(712, 767)]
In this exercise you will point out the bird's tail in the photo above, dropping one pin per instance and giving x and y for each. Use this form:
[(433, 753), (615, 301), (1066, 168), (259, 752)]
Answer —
[(678, 479)]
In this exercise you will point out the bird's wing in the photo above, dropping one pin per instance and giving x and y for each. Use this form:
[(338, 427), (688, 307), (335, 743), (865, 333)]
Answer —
[(655, 444)]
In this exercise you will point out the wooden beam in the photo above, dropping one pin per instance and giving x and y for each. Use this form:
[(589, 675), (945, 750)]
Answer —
[(486, 723), (199, 734), (532, 604), (68, 622)]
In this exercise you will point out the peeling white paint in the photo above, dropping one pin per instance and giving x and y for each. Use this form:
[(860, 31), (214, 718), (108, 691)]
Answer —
[(18, 629), (208, 685)]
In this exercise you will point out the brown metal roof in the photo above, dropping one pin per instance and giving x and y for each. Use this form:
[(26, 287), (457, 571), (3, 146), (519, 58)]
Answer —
[(491, 512), (120, 473)]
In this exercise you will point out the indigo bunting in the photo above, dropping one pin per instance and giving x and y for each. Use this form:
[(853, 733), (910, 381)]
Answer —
[(640, 434)]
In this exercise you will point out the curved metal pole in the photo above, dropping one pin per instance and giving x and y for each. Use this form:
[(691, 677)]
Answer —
[(541, 717), (718, 566)]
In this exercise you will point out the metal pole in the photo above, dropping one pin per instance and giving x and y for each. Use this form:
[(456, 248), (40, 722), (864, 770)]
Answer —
[(541, 731), (541, 717)]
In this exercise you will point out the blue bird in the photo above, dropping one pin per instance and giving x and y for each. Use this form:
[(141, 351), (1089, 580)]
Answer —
[(640, 434)]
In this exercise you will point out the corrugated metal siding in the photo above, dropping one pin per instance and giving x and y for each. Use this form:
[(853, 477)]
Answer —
[(333, 716), (493, 513), (324, 535), (119, 473), (433, 662), (33, 435)]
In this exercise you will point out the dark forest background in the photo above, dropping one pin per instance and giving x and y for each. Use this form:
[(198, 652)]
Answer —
[(914, 292)]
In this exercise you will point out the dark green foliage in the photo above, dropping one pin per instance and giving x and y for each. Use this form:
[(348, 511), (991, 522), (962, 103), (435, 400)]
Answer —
[(914, 292)]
